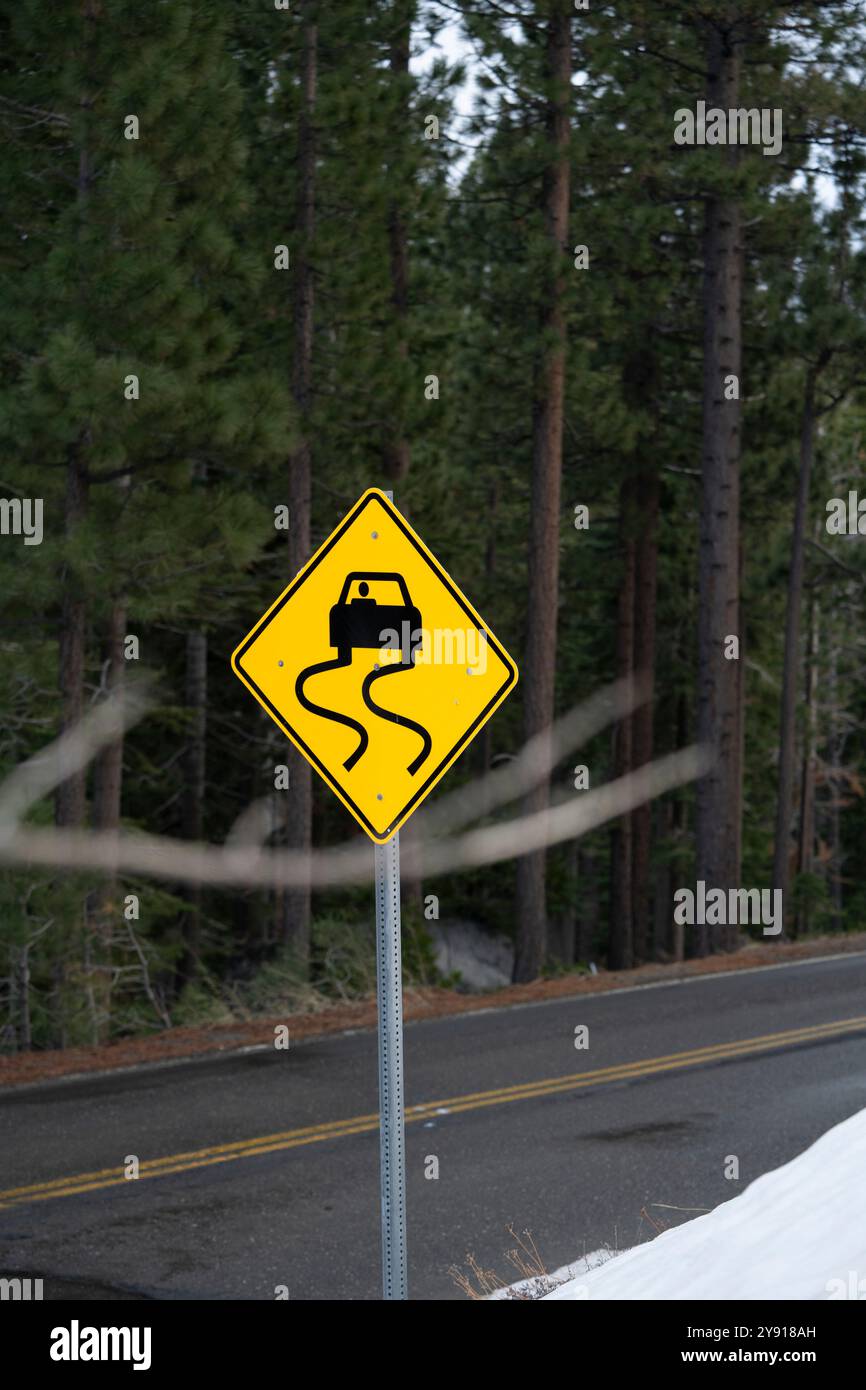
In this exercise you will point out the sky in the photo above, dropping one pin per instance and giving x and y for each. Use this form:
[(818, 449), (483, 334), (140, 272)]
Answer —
[(452, 44)]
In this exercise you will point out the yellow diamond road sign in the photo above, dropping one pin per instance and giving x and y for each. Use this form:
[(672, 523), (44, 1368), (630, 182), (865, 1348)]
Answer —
[(376, 666)]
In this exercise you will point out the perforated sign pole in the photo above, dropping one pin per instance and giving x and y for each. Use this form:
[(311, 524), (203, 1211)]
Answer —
[(310, 663), (391, 1142), (389, 988)]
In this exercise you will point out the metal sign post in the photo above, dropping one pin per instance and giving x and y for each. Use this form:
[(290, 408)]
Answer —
[(316, 662), (389, 991), (392, 1154)]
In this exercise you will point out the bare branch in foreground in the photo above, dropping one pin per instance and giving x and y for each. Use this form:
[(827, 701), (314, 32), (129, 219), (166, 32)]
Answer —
[(72, 751), (535, 761), (250, 866), (255, 823), (568, 821), (243, 862)]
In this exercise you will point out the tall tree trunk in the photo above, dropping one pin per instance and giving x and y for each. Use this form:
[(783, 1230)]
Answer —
[(108, 768), (485, 738), (729, 936), (195, 772), (836, 752), (672, 829), (569, 939), (70, 798), (806, 829), (540, 659), (621, 940), (397, 455), (107, 793), (665, 942), (791, 660), (719, 792), (646, 568), (681, 814), (589, 905), (192, 807), (299, 800)]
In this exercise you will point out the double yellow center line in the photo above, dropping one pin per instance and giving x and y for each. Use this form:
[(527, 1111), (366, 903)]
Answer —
[(476, 1100)]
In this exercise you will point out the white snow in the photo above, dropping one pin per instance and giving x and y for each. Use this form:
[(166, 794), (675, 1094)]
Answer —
[(798, 1232)]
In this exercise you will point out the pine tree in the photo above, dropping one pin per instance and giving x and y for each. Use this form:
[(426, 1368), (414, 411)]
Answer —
[(121, 334)]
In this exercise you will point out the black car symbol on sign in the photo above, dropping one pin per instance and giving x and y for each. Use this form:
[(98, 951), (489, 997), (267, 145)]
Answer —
[(362, 621)]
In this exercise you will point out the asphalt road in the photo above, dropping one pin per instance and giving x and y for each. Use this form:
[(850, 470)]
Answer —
[(264, 1166)]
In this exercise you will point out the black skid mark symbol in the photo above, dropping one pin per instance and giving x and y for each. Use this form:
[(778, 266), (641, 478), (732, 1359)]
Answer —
[(343, 658), (401, 719)]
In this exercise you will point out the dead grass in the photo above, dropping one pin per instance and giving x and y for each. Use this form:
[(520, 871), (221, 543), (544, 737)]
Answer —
[(532, 1278)]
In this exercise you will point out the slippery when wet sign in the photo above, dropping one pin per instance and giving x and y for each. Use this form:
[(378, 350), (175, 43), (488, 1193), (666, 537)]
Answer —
[(376, 666)]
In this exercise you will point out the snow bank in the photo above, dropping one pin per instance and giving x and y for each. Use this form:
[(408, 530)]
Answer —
[(540, 1285), (798, 1232)]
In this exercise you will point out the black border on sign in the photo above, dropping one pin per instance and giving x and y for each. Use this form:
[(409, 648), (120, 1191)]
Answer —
[(265, 622)]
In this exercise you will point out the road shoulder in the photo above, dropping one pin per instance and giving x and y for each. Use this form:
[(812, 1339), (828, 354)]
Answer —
[(182, 1044)]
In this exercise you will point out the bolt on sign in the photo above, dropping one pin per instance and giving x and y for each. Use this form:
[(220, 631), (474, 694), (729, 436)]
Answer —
[(376, 666)]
